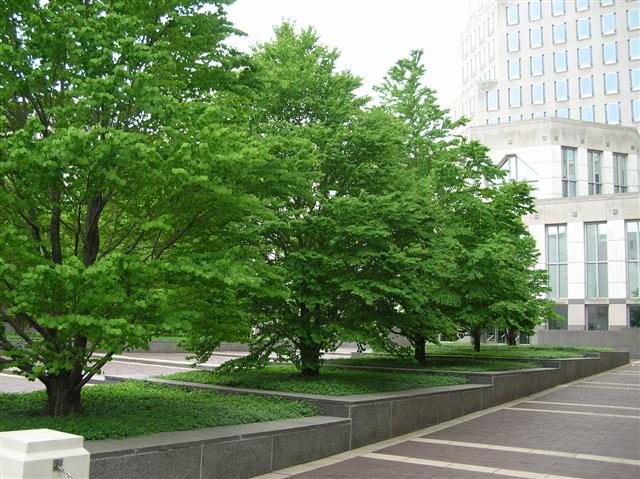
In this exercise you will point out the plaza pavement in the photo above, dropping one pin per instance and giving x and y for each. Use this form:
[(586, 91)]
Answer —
[(588, 429)]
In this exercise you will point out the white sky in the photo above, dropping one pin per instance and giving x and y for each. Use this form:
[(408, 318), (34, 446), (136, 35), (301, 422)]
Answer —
[(370, 34)]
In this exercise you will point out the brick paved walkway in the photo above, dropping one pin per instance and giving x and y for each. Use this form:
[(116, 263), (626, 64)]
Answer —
[(588, 429)]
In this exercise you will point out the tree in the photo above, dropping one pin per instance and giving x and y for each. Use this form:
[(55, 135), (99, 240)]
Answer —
[(329, 182), (121, 181)]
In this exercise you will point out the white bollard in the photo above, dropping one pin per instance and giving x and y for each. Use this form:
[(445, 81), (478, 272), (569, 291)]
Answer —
[(42, 454)]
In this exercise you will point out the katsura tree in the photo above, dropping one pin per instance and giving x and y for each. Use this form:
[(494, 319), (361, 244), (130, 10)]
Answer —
[(123, 179), (329, 183)]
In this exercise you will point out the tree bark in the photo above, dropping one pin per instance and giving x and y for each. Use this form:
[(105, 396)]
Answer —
[(309, 358), (476, 336), (511, 337), (63, 393), (420, 349)]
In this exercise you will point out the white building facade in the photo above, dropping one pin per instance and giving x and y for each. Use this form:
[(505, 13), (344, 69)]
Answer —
[(553, 89)]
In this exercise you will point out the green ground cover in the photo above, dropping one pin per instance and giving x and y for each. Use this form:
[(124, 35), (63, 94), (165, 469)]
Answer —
[(467, 364), (135, 408), (332, 382), (520, 351)]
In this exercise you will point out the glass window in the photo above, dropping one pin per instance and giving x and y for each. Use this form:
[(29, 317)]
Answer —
[(560, 61), (515, 97), (561, 322), (597, 317), (568, 171), (535, 37), (609, 53), (513, 14), (620, 173), (557, 7), (635, 110), (535, 10), (634, 78), (557, 260), (537, 65), (584, 57), (633, 18), (608, 23), (559, 33), (586, 86), (634, 48), (493, 100), (582, 5), (513, 41), (493, 120), (517, 169), (587, 113), (513, 67), (539, 114), (596, 260), (583, 28), (513, 118), (563, 113), (594, 162), (611, 83), (633, 262), (612, 113), (634, 315), (606, 3), (537, 94), (562, 89)]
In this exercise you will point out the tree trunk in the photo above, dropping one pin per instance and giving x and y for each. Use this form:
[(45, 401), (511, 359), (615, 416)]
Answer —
[(420, 349), (63, 393), (511, 337), (476, 335), (309, 358)]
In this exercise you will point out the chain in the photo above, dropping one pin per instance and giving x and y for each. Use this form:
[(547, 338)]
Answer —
[(67, 475)]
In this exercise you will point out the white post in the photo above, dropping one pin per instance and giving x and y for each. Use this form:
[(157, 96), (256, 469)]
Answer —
[(42, 454)]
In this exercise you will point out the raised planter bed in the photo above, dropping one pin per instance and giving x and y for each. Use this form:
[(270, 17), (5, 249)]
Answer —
[(349, 422)]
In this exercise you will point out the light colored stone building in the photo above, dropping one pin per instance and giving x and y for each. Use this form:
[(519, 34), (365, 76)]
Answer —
[(551, 87)]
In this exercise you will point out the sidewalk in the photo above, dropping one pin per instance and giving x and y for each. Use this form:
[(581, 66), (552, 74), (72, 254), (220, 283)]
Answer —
[(588, 429)]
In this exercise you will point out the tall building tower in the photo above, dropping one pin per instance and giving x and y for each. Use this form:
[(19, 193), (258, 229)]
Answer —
[(551, 87)]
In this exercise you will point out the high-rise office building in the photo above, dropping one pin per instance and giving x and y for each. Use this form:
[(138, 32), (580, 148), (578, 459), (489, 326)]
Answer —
[(553, 89)]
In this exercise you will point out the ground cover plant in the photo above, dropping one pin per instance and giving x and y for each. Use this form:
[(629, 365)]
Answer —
[(135, 408), (469, 364), (521, 351), (332, 382)]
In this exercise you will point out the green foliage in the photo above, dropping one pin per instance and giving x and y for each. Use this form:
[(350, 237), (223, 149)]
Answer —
[(125, 163), (521, 351), (135, 408), (332, 382), (435, 363)]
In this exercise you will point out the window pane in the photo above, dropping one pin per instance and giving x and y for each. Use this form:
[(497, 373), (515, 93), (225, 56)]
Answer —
[(634, 75), (634, 315), (584, 57), (553, 280), (513, 41), (602, 242), (514, 68), (559, 33), (603, 289), (560, 61), (535, 37), (586, 87), (633, 18), (537, 94), (611, 83), (538, 114), (561, 310), (514, 97), (552, 245), (609, 53), (562, 90), (583, 28), (563, 281), (582, 5), (633, 281), (592, 243), (513, 14), (592, 284), (492, 100), (562, 244), (597, 317), (632, 241), (608, 23), (535, 10), (634, 48), (563, 113), (635, 110), (612, 111), (557, 7), (537, 65), (587, 113)]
